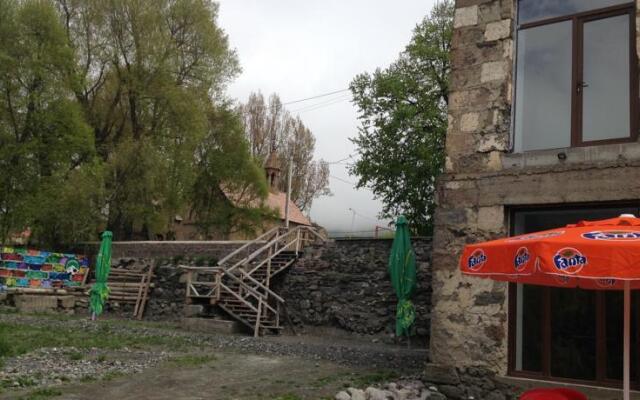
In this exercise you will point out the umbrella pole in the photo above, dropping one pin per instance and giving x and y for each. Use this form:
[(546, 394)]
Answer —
[(627, 341)]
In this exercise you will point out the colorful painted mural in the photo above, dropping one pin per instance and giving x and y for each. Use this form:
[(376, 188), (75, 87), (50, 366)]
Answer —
[(27, 268)]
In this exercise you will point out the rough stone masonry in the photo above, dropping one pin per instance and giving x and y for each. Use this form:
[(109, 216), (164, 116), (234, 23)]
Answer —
[(484, 180), (346, 285)]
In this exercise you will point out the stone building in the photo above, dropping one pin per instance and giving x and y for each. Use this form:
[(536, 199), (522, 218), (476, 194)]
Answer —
[(187, 229), (543, 131)]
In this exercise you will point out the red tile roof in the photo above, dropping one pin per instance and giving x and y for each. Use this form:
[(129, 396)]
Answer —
[(275, 201), (278, 201)]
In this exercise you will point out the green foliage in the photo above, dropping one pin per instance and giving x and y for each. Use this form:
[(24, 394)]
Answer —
[(106, 109), (42, 394), (163, 67), (44, 139), (23, 338), (403, 116), (230, 185)]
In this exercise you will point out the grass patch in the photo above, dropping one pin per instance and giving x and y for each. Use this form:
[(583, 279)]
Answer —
[(327, 380), (109, 376), (288, 396), (191, 360), (16, 339), (373, 378), (75, 355), (88, 378), (23, 381), (41, 394)]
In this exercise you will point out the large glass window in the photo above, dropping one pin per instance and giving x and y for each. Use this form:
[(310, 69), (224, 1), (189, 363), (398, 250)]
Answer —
[(536, 10), (543, 90), (561, 333), (605, 109), (575, 73)]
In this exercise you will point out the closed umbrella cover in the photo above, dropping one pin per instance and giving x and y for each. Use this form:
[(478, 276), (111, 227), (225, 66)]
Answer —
[(100, 291), (402, 269)]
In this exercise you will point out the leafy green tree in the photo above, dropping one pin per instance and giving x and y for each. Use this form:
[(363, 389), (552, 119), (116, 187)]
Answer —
[(230, 185), (403, 116), (150, 72), (44, 140), (113, 114)]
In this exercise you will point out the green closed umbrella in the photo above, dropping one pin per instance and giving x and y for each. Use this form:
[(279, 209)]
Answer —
[(100, 291), (402, 268)]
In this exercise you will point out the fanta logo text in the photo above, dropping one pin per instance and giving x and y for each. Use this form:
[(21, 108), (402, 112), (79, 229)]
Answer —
[(522, 258), (612, 235), (569, 260), (476, 260)]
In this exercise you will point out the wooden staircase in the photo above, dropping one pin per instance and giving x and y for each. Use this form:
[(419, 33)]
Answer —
[(240, 283)]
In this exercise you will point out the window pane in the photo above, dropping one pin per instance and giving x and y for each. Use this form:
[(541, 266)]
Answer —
[(529, 338), (614, 303), (573, 333), (606, 72), (536, 10), (544, 88)]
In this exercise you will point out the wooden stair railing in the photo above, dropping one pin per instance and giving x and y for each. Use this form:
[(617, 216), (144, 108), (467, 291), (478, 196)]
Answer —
[(242, 289)]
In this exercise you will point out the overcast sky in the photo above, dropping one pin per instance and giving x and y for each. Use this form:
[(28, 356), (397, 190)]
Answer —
[(303, 48)]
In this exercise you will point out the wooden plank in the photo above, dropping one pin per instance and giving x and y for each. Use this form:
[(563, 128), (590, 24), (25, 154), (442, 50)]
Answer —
[(37, 291), (146, 293), (127, 284), (140, 289)]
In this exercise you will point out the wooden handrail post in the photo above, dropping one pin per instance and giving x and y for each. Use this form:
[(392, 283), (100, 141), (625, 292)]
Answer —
[(277, 314), (256, 331), (297, 242), (187, 299), (268, 271), (218, 282)]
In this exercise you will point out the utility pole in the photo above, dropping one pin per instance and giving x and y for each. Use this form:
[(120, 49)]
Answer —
[(353, 220), (286, 206)]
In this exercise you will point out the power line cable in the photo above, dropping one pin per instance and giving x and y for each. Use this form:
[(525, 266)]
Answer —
[(315, 97), (313, 107), (342, 180), (365, 217), (349, 157)]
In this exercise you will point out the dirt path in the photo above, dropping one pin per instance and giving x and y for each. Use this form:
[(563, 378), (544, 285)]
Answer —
[(192, 366), (224, 376)]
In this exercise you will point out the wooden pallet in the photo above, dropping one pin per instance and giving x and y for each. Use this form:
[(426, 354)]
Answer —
[(130, 286)]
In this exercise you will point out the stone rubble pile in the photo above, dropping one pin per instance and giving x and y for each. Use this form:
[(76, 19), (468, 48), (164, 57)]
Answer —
[(401, 390), (55, 365)]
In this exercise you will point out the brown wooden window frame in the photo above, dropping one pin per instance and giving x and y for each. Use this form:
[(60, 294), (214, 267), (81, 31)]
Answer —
[(578, 21), (601, 326)]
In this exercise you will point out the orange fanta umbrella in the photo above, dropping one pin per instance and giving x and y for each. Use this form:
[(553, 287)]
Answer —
[(600, 255)]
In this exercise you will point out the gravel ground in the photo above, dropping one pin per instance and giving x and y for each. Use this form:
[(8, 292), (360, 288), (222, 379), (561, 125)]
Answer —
[(49, 366), (340, 351)]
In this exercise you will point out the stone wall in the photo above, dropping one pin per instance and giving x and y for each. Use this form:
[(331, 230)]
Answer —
[(484, 180), (345, 285), (168, 249)]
